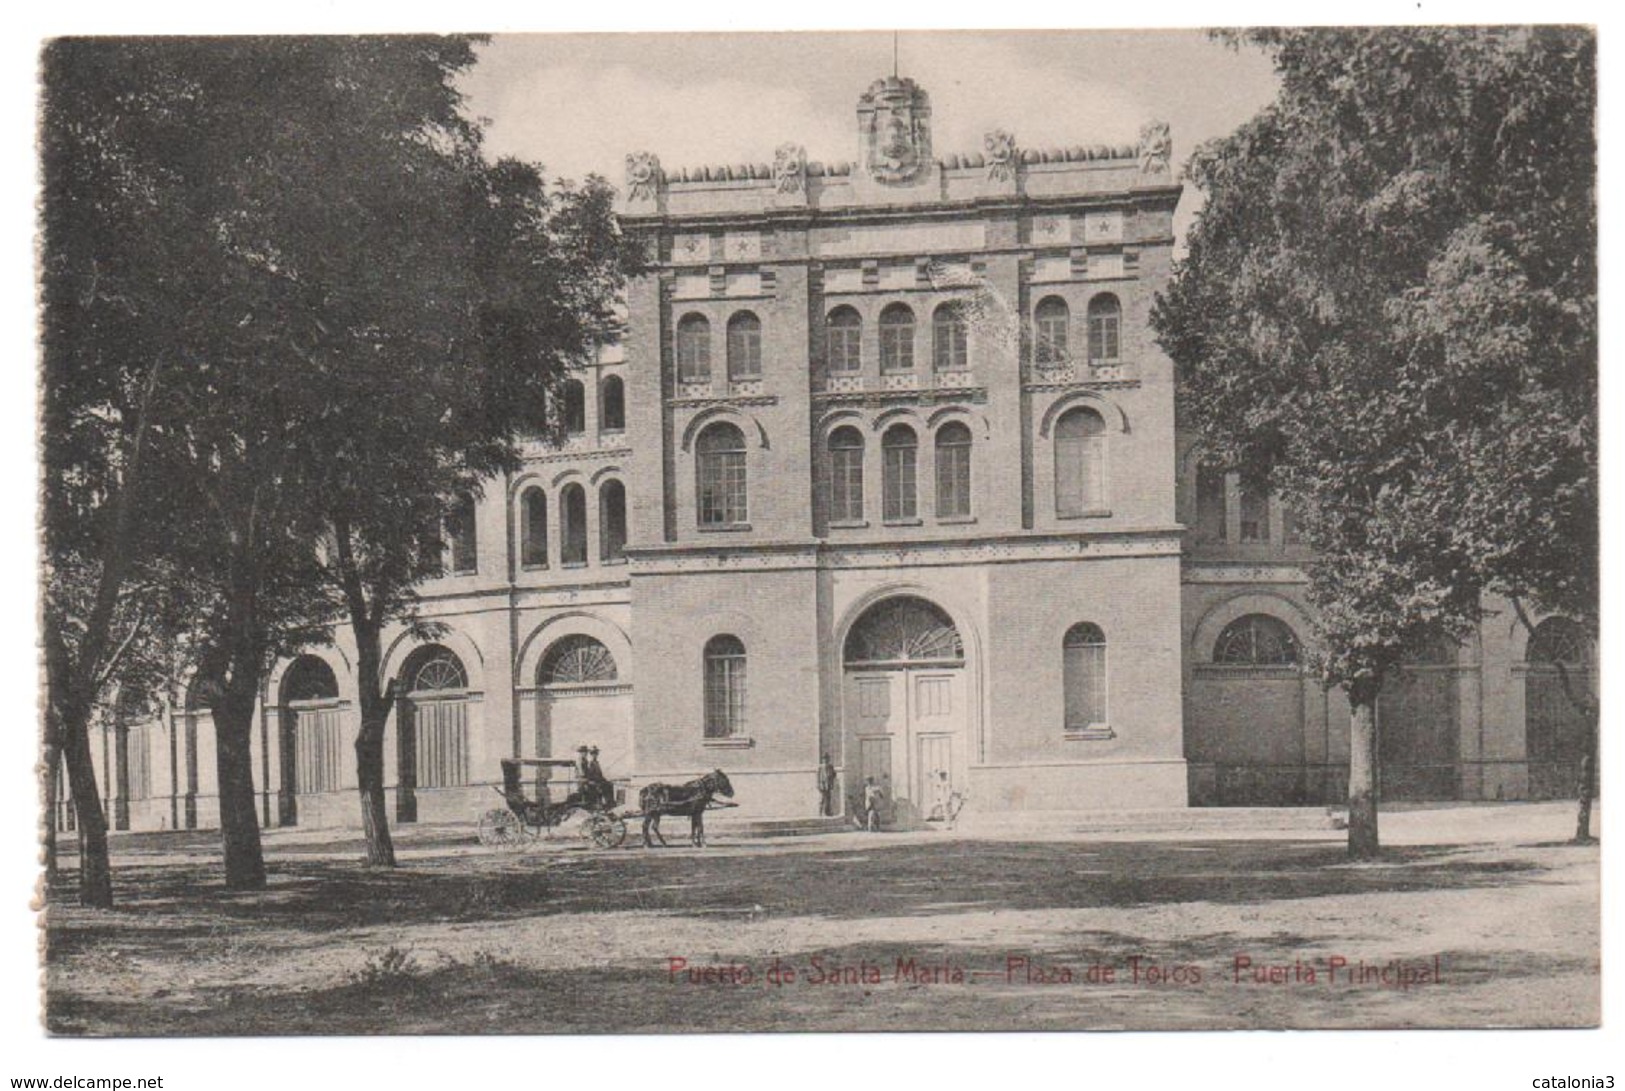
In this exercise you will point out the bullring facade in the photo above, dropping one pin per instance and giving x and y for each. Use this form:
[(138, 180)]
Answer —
[(885, 468)]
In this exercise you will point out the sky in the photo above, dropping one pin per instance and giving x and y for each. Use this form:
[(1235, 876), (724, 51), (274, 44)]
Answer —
[(577, 103)]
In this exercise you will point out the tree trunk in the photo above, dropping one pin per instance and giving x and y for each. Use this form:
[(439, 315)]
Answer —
[(369, 747), (95, 871), (50, 777), (239, 818), (1588, 781), (1363, 843)]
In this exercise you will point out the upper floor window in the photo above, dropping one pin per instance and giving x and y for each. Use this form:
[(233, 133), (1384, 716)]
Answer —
[(1255, 514), (573, 515), (950, 349), (843, 331), (462, 536), (724, 687), (611, 522), (1050, 334), (1083, 676), (744, 347), (1080, 463), (896, 338), (533, 528), (1210, 504), (1105, 328), (953, 470), (1257, 640), (720, 475), (694, 349), (898, 448), (846, 475), (575, 407), (612, 404)]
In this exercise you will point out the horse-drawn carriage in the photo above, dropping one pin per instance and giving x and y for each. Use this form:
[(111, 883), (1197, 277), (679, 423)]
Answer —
[(587, 790), (525, 819)]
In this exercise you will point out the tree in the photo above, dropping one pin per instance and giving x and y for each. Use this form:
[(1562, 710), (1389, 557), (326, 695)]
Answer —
[(1387, 315)]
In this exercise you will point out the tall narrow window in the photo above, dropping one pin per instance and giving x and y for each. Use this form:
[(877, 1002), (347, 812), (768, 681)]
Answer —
[(461, 535), (1080, 463), (744, 347), (1255, 514), (720, 476), (1105, 325), (846, 476), (950, 348), (953, 471), (533, 529), (1210, 504), (1083, 676), (896, 338), (694, 349), (612, 405), (843, 332), (611, 522), (1050, 323), (573, 515), (575, 407), (898, 450), (724, 687)]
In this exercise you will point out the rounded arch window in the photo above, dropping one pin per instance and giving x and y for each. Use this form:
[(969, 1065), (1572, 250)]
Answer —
[(1257, 640), (309, 679), (953, 470), (843, 340), (899, 449), (744, 347), (1083, 677), (694, 349), (577, 660), (846, 475), (573, 515), (897, 338), (724, 686), (1080, 462), (904, 630), (533, 528), (612, 404), (719, 454), (1105, 328), (1559, 640), (612, 522), (437, 669), (575, 407), (1051, 320)]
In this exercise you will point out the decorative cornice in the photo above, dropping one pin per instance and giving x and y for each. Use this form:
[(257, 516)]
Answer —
[(975, 395), (585, 453), (1201, 572), (725, 400)]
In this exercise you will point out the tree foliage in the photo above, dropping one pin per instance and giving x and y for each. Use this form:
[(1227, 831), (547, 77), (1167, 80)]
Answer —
[(1388, 315)]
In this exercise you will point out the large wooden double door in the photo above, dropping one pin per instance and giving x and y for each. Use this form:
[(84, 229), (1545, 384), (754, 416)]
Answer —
[(906, 729)]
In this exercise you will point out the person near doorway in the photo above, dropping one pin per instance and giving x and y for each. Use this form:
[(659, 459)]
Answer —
[(873, 799), (826, 787), (940, 791)]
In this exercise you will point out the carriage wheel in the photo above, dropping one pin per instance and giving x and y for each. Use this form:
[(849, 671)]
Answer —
[(500, 828), (606, 830)]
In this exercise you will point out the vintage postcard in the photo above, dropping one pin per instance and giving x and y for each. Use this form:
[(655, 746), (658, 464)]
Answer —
[(974, 531)]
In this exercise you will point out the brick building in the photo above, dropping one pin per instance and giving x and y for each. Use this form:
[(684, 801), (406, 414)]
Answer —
[(885, 468)]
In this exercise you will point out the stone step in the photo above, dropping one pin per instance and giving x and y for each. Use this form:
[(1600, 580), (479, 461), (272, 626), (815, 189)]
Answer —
[(1172, 819), (776, 827)]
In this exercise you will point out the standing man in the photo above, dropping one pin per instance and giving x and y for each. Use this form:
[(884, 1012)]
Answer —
[(873, 796), (826, 787)]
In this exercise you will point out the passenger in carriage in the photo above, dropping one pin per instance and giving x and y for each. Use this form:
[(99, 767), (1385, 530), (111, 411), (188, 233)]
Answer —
[(603, 789)]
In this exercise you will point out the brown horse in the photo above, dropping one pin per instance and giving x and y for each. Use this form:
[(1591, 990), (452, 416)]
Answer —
[(657, 800)]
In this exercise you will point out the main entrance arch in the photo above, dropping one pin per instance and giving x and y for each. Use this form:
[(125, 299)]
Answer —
[(906, 705), (311, 752)]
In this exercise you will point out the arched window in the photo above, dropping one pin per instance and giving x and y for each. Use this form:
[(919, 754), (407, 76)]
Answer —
[(612, 404), (1256, 640), (953, 470), (1105, 327), (1080, 463), (904, 630), (1211, 515), (898, 448), (1051, 321), (611, 522), (462, 537), (724, 687), (575, 407), (311, 739), (720, 476), (950, 349), (694, 349), (744, 347), (1083, 676), (533, 528), (440, 671), (576, 660), (846, 475), (433, 740), (573, 514), (1559, 640), (897, 338), (843, 331)]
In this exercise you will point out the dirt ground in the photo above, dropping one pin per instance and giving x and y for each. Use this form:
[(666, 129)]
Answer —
[(1475, 916)]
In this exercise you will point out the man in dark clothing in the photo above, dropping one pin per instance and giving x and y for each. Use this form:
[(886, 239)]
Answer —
[(826, 787)]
